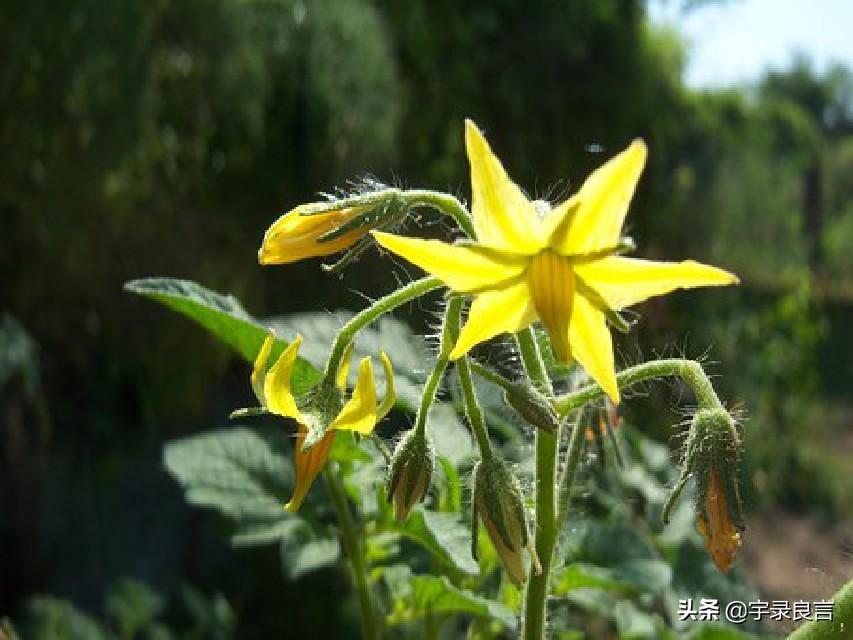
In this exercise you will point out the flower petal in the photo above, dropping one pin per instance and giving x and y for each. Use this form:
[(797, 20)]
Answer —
[(463, 268), (293, 236), (552, 285), (308, 464), (622, 282), (503, 216), (390, 392), (592, 345), (503, 310), (602, 203), (277, 394), (259, 371), (359, 414)]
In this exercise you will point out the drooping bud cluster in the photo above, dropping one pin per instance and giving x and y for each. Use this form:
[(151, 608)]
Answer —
[(712, 455), (410, 472), (499, 503)]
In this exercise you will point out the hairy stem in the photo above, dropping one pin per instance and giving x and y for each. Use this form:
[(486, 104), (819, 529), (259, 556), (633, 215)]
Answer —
[(689, 371), (536, 597), (352, 544), (362, 319), (446, 204), (449, 331)]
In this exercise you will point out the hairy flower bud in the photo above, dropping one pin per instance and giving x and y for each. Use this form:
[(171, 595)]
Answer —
[(410, 472), (499, 503), (533, 407), (712, 456), (324, 228)]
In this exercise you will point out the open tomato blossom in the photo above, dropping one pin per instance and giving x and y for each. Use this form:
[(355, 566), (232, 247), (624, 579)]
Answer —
[(556, 265)]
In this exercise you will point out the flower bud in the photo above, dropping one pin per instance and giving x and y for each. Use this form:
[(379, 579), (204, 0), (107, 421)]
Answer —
[(533, 407), (712, 456), (499, 503), (410, 472), (324, 228)]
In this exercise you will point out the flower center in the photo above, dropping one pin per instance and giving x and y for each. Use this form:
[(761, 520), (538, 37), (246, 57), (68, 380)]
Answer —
[(552, 287)]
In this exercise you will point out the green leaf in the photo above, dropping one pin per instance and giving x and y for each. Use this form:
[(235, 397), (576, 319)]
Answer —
[(50, 618), (305, 550), (634, 576), (415, 596), (242, 472), (443, 535), (224, 317), (134, 607)]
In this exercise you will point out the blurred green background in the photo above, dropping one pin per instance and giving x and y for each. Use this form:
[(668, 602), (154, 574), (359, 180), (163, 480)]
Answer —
[(163, 137)]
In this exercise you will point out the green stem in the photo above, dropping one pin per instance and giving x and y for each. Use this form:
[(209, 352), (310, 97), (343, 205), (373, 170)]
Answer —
[(688, 370), (567, 483), (536, 597), (362, 319), (463, 370), (446, 204), (448, 333), (841, 625), (351, 540)]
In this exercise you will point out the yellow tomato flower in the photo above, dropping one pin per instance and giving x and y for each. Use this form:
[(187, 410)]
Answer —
[(321, 414), (557, 266), (297, 234), (722, 537)]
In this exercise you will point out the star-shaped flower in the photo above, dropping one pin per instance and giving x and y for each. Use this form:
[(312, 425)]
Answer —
[(556, 265)]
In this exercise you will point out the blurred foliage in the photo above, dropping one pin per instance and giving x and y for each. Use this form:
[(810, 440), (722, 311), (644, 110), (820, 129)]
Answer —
[(163, 137)]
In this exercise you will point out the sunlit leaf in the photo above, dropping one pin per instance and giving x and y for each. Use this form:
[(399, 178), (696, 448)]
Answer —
[(415, 596), (224, 317), (443, 535)]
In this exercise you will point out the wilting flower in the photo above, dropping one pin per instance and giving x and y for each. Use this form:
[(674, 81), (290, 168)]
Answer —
[(410, 472), (722, 536), (498, 502), (712, 456), (557, 265), (326, 228), (322, 412)]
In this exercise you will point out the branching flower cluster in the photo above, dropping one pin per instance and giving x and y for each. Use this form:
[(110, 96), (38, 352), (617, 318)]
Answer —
[(520, 264)]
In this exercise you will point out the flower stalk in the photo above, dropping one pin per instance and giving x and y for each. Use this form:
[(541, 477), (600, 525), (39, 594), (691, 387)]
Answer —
[(371, 314), (351, 539)]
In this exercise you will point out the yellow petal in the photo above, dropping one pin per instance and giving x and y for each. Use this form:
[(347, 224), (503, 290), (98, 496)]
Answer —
[(503, 216), (504, 310), (277, 394), (622, 282), (359, 414), (259, 372), (343, 370), (293, 236), (463, 268), (602, 204), (592, 346), (308, 464), (390, 392), (551, 283)]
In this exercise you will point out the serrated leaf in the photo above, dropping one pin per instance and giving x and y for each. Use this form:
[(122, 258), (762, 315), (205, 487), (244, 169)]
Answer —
[(224, 317), (418, 595), (443, 535), (242, 472)]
